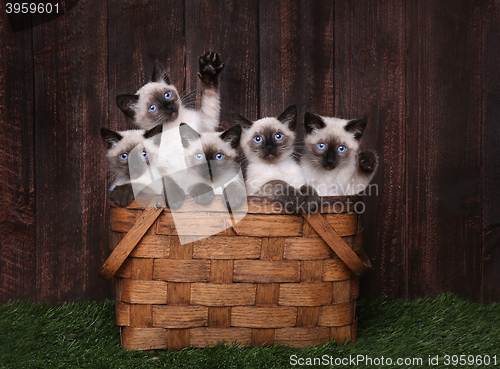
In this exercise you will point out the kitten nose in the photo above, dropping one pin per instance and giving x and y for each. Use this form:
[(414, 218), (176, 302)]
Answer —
[(168, 106), (269, 145), (330, 158)]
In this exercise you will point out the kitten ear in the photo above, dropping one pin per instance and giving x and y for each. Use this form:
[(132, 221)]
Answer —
[(160, 73), (110, 138), (356, 127), (312, 122), (154, 133), (126, 103), (289, 117), (232, 136), (242, 121), (187, 134)]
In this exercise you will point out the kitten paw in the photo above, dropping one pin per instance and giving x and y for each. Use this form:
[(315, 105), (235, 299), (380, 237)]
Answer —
[(175, 195), (210, 67), (234, 195), (202, 193), (122, 195), (310, 198), (367, 161)]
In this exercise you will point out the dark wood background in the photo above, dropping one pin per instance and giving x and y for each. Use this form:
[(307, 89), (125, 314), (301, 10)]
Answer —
[(425, 73)]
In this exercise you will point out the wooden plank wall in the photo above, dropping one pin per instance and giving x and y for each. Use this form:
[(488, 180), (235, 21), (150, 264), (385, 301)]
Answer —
[(424, 73)]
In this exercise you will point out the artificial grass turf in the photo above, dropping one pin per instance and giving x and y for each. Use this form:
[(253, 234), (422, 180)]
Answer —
[(84, 335)]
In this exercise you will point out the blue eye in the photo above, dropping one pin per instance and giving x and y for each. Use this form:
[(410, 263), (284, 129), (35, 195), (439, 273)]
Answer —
[(124, 156), (278, 136), (144, 154), (152, 108), (257, 139), (168, 95), (219, 156), (321, 146), (341, 148), (199, 156)]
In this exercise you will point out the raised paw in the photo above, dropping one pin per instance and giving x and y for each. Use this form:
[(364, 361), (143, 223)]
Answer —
[(210, 67), (202, 193), (122, 195), (367, 161)]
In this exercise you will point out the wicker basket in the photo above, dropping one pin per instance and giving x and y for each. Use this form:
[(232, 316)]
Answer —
[(272, 278)]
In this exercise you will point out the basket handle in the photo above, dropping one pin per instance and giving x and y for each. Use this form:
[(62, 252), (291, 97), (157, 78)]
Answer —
[(128, 243), (357, 264)]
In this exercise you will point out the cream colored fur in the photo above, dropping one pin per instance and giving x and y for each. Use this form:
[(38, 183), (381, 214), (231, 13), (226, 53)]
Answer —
[(260, 171), (346, 179)]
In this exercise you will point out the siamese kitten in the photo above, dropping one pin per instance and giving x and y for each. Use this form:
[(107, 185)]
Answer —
[(212, 169), (332, 163), (158, 102), (268, 145), (131, 157)]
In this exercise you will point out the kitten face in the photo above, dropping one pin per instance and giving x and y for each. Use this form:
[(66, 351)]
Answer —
[(157, 102), (332, 142), (213, 154), (269, 139), (130, 151)]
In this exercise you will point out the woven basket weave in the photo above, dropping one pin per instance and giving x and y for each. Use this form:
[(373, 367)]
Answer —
[(269, 279)]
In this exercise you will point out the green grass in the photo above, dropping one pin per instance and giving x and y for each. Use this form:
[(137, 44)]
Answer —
[(84, 335)]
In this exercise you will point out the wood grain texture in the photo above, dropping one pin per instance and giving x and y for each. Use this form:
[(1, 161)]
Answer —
[(444, 148), (263, 336), (17, 132), (490, 176), (181, 270), (307, 316), (167, 316), (141, 315), (267, 294), (227, 248), (122, 311), (338, 245), (311, 270), (152, 246), (335, 270), (305, 294), (269, 225), (143, 338), (221, 271), (296, 42), (136, 291), (129, 242), (266, 271), (219, 316), (177, 339), (71, 93), (337, 314), (137, 35), (370, 82), (259, 316), (142, 269), (215, 294), (299, 248)]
